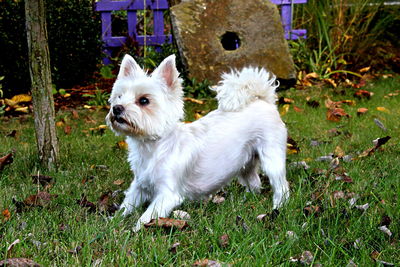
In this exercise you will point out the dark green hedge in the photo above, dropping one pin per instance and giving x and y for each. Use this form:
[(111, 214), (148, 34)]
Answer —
[(74, 31)]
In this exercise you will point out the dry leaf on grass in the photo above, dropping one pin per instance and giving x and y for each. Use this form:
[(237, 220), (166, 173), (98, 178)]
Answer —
[(223, 241), (6, 215), (19, 262), (312, 210), (363, 94), (67, 129), (75, 114), (122, 145), (377, 144), (336, 114), (167, 223), (361, 111), (118, 182), (6, 160), (383, 109), (40, 199)]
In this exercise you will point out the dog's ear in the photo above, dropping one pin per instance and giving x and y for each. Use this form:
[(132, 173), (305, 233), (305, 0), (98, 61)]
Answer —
[(129, 68), (168, 72)]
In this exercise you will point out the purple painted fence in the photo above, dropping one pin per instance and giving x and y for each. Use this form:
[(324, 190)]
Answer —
[(131, 6), (286, 16), (158, 6)]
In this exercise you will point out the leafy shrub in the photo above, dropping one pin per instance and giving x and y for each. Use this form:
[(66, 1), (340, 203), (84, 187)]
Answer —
[(74, 43), (343, 33)]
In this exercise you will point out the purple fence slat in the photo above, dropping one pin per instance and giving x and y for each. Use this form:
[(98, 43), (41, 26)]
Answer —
[(286, 17)]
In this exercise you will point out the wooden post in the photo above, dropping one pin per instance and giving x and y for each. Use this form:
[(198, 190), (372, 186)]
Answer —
[(39, 68)]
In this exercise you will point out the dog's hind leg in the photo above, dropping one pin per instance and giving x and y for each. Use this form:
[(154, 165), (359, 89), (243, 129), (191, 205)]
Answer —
[(248, 176), (273, 162)]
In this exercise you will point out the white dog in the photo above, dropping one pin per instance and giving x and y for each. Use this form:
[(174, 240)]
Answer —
[(173, 161)]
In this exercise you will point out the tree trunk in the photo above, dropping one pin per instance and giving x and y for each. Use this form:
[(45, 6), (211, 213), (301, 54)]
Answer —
[(39, 68)]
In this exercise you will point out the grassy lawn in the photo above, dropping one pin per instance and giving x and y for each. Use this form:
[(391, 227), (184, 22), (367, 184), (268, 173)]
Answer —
[(319, 217)]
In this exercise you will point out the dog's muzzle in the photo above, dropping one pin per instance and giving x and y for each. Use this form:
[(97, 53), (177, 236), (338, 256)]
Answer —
[(118, 111)]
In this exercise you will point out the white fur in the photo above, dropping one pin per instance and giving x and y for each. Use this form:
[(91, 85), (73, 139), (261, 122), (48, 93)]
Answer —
[(173, 161)]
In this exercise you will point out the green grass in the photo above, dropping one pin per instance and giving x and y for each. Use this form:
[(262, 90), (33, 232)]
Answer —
[(48, 234)]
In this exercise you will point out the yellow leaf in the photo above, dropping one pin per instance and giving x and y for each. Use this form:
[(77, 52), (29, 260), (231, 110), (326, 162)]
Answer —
[(383, 109), (67, 95), (291, 149), (122, 145), (312, 75), (87, 106), (200, 102), (59, 123), (21, 98), (22, 109), (364, 69), (339, 152), (197, 116), (285, 109)]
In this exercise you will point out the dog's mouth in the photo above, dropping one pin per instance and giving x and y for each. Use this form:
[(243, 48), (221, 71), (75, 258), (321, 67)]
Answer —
[(118, 119)]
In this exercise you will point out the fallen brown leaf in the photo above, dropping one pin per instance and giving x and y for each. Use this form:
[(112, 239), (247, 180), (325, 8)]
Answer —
[(363, 94), (39, 200), (6, 215), (167, 223), (19, 262), (67, 129), (118, 182), (6, 160), (84, 203), (75, 114), (335, 114), (297, 109), (312, 210), (361, 111), (378, 143), (223, 241), (284, 100)]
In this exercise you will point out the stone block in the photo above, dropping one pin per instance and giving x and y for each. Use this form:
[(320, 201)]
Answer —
[(214, 36)]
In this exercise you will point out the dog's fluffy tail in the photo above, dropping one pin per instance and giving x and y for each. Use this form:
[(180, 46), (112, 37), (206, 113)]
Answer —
[(239, 88)]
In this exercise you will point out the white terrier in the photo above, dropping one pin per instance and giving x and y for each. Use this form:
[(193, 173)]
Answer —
[(173, 161)]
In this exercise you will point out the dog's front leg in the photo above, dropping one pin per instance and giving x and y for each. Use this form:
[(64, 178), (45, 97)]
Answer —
[(161, 206), (134, 197)]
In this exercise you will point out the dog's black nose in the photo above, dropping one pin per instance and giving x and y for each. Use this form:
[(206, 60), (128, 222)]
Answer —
[(118, 109)]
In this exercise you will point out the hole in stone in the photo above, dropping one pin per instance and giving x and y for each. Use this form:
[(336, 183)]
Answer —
[(230, 41)]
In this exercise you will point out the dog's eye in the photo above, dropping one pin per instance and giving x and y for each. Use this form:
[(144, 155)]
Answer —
[(144, 101)]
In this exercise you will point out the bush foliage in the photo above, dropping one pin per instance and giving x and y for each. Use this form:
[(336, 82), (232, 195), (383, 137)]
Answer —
[(74, 42)]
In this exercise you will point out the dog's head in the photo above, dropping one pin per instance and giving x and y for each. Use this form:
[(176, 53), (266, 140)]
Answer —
[(142, 105)]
